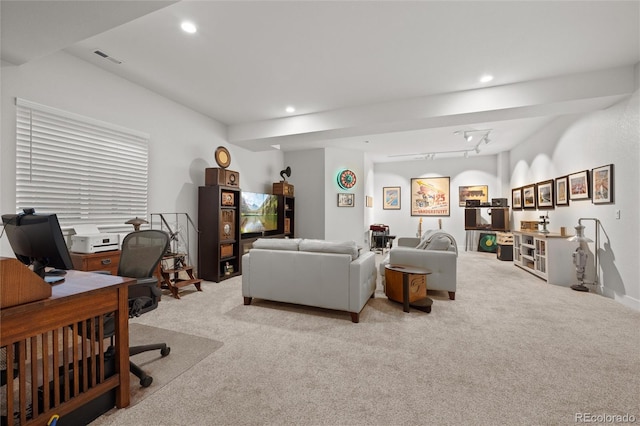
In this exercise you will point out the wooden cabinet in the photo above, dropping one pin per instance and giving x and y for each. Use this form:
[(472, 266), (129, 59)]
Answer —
[(104, 261), (219, 224), (549, 256), (499, 219)]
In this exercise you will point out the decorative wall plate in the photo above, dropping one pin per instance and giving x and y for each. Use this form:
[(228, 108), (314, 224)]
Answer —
[(346, 179), (223, 158)]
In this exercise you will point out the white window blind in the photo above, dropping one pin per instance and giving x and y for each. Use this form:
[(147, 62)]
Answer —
[(84, 170)]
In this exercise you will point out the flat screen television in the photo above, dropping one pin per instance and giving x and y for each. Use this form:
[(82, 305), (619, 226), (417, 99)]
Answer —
[(36, 239), (258, 212)]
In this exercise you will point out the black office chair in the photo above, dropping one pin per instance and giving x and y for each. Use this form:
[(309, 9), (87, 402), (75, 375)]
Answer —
[(141, 253)]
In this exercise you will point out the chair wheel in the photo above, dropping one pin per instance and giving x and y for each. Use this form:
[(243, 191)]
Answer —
[(146, 381), (165, 351)]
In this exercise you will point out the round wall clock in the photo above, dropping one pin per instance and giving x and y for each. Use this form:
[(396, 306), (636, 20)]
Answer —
[(223, 158), (346, 179)]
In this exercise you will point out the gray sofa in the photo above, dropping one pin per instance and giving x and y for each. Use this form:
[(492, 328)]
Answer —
[(435, 250), (324, 274)]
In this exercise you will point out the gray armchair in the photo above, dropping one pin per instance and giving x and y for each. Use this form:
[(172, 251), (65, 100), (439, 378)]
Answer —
[(436, 251)]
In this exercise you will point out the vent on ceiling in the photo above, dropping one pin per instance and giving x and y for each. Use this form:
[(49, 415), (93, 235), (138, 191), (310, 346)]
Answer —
[(107, 57)]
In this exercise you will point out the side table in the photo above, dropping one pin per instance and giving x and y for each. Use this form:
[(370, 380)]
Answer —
[(102, 261), (408, 285)]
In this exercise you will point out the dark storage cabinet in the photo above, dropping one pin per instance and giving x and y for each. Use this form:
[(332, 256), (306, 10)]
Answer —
[(219, 224), (286, 216)]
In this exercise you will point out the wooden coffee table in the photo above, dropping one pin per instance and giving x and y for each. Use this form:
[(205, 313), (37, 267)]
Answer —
[(408, 285)]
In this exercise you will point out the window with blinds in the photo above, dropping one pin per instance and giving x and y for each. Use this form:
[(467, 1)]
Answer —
[(84, 170)]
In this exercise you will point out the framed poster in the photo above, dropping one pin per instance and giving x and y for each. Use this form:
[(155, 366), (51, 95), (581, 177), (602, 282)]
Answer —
[(545, 194), (345, 199), (516, 198), (579, 186), (602, 190), (430, 196), (368, 201), (562, 191), (529, 197), (391, 198), (476, 192)]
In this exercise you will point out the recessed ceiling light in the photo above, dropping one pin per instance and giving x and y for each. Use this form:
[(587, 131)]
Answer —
[(486, 78), (290, 109), (188, 27)]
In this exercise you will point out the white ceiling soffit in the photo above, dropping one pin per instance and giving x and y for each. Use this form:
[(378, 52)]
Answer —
[(33, 29), (391, 78)]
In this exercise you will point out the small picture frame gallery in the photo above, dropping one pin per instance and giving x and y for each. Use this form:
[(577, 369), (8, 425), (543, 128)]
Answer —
[(596, 184)]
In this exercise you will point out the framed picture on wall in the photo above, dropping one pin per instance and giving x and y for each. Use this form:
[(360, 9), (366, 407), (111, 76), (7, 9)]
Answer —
[(562, 191), (602, 190), (529, 197), (368, 201), (391, 198), (516, 198), (430, 196), (345, 199), (476, 192), (579, 188), (545, 194)]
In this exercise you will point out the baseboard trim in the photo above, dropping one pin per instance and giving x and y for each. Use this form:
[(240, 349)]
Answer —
[(624, 299)]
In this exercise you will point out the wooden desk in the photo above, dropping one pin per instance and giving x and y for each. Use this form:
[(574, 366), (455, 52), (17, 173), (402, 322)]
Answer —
[(42, 340)]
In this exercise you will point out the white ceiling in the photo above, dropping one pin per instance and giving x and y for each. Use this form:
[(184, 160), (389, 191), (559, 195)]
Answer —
[(393, 78)]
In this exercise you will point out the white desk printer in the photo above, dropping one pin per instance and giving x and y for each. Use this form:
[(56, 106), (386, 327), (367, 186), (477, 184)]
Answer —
[(88, 239)]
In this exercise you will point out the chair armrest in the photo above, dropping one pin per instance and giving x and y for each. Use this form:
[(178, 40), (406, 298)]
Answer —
[(408, 242)]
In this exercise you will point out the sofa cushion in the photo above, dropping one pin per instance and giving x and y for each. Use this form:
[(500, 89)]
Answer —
[(322, 246), (290, 244)]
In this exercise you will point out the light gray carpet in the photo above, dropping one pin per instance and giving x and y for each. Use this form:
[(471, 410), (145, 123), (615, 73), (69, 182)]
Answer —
[(511, 349), (186, 351)]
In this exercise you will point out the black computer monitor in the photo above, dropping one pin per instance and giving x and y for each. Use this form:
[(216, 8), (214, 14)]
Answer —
[(36, 239)]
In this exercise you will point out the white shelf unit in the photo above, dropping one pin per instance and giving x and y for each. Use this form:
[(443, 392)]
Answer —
[(548, 256)]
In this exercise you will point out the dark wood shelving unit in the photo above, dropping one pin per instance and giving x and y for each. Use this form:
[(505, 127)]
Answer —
[(286, 216), (219, 223), (286, 224)]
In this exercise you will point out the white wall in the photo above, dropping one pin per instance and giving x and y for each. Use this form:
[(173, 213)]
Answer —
[(344, 223), (581, 142), (182, 141), (307, 171), (462, 172)]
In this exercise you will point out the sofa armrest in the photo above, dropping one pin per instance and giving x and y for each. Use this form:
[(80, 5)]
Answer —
[(362, 280)]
